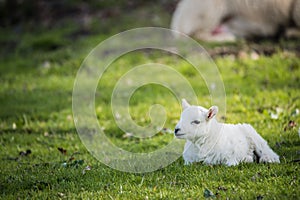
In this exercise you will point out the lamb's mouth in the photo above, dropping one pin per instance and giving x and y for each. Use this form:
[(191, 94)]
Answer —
[(179, 134)]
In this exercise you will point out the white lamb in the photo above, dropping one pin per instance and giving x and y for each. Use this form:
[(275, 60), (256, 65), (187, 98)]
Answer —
[(227, 20), (212, 142)]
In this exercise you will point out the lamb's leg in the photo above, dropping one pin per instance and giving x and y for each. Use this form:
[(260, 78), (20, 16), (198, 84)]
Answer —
[(261, 147), (190, 153)]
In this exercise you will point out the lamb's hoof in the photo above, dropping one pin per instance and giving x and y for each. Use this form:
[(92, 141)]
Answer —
[(269, 159), (187, 163), (248, 159)]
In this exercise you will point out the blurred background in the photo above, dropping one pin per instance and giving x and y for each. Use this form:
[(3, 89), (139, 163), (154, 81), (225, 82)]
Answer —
[(29, 25)]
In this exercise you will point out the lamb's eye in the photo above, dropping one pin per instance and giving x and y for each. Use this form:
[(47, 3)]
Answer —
[(195, 122)]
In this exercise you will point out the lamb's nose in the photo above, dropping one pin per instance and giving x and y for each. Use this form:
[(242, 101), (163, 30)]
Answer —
[(176, 130)]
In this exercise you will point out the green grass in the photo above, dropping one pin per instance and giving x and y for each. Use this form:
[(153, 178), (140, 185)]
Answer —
[(37, 78)]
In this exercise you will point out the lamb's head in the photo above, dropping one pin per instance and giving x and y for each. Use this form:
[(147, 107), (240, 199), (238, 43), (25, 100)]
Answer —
[(195, 121)]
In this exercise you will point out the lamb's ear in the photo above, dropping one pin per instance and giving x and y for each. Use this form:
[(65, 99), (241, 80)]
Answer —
[(185, 104), (211, 112)]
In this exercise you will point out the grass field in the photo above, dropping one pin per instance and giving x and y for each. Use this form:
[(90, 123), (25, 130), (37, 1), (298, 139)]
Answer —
[(42, 156)]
